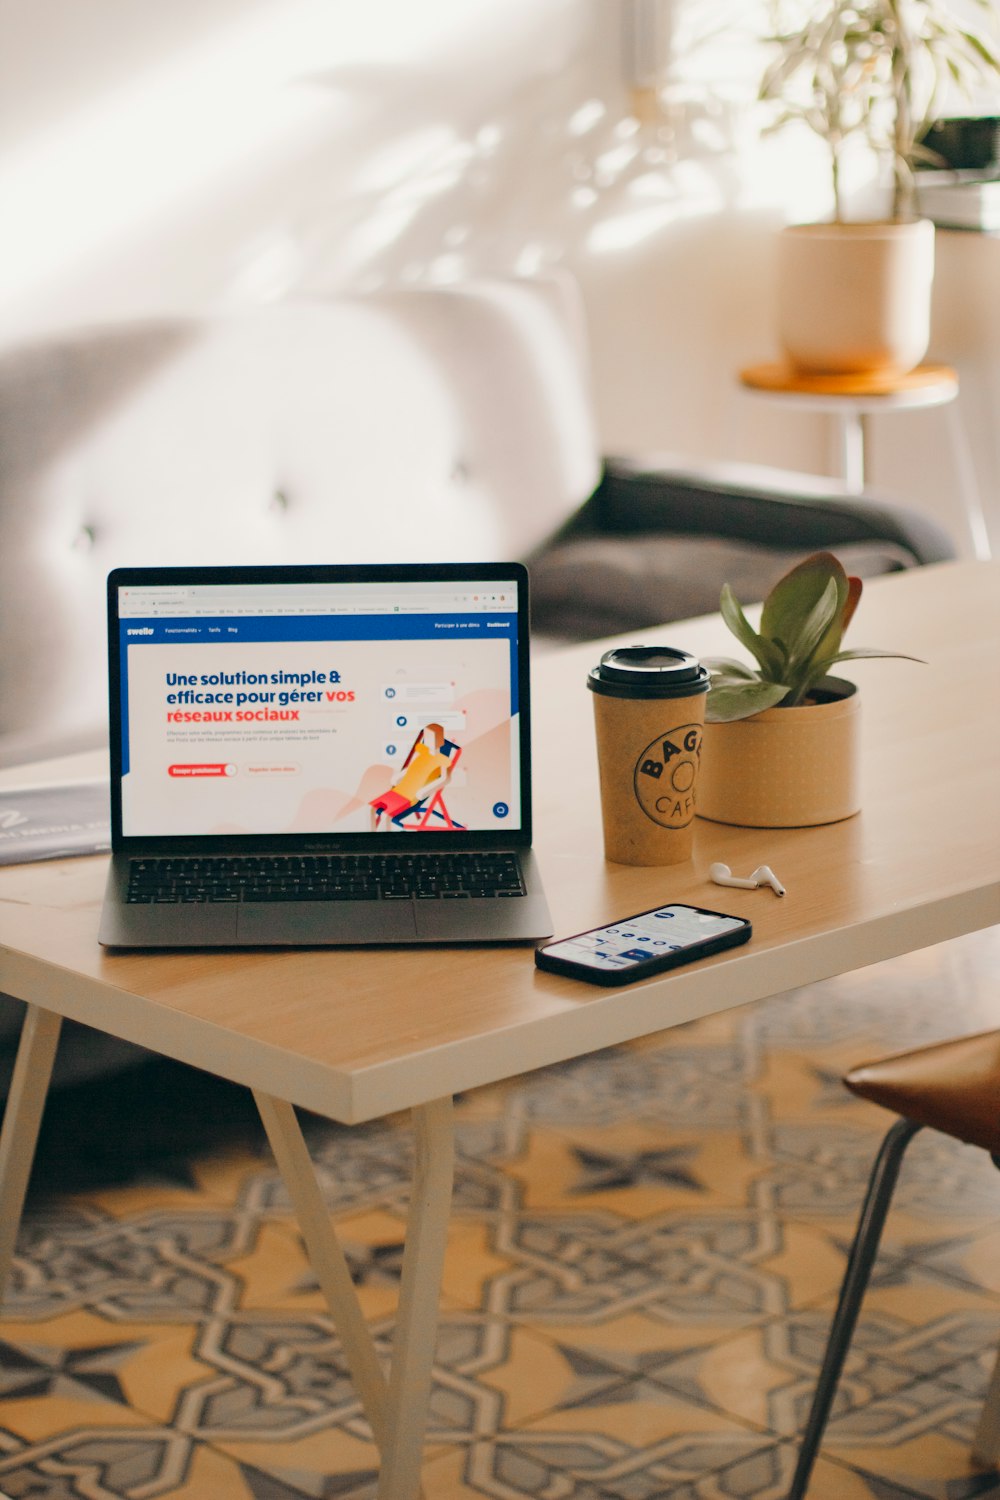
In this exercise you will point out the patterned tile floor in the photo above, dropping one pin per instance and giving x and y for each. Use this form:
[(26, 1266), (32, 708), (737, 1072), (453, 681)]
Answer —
[(643, 1258)]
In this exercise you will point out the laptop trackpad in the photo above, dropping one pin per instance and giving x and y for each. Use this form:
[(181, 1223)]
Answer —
[(305, 923)]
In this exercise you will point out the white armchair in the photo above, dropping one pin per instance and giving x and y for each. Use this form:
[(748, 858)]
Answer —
[(448, 424), (445, 423)]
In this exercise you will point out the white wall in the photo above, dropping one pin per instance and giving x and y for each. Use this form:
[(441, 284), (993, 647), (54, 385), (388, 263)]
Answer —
[(157, 157)]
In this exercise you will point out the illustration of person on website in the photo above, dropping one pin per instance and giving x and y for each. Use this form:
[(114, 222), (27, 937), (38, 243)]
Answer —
[(426, 769)]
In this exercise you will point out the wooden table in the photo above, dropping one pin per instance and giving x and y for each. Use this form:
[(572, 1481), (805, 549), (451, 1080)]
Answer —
[(355, 1034)]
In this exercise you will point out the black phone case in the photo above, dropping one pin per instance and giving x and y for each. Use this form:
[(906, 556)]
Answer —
[(610, 978)]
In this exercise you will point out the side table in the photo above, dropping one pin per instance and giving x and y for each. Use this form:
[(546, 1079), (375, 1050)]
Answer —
[(852, 399)]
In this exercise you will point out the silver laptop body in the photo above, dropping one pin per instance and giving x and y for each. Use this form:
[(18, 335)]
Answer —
[(319, 756)]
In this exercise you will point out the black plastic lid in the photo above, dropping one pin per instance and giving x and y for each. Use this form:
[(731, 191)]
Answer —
[(648, 672)]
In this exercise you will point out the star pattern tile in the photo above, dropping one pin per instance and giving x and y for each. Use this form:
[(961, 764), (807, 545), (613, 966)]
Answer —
[(644, 1254)]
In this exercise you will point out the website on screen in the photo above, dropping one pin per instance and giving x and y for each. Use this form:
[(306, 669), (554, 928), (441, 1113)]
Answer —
[(319, 708)]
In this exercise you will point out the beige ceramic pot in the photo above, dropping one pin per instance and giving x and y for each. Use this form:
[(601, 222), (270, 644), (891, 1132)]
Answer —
[(855, 298), (786, 767)]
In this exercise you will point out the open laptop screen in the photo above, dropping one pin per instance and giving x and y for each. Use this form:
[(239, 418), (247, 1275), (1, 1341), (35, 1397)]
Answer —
[(328, 702)]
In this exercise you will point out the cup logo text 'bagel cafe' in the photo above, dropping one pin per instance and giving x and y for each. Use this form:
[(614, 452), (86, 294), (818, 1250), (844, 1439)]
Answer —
[(665, 776)]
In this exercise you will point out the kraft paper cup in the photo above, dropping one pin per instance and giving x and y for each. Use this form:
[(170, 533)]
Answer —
[(649, 714)]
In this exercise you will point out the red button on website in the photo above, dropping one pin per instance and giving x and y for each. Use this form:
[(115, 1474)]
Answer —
[(202, 770)]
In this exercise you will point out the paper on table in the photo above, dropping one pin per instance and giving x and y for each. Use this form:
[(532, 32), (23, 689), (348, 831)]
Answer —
[(54, 822)]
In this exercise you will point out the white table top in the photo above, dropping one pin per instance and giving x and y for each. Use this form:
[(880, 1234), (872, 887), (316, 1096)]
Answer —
[(356, 1033)]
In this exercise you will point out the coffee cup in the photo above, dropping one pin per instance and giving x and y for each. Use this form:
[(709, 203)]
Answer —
[(649, 714)]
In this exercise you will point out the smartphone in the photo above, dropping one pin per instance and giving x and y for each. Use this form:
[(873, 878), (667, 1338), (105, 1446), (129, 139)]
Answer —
[(636, 947)]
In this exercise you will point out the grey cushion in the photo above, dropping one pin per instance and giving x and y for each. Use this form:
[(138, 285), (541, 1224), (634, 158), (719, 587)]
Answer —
[(598, 586)]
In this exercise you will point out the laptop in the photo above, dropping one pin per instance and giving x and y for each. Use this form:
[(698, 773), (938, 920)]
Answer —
[(320, 756)]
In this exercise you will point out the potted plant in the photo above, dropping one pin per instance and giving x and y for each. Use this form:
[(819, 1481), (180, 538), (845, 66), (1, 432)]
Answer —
[(781, 738), (855, 297)]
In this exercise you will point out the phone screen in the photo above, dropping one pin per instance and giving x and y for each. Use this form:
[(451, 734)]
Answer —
[(639, 940)]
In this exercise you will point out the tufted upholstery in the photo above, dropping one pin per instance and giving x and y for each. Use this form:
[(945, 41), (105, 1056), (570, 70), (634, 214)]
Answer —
[(444, 424), (439, 423)]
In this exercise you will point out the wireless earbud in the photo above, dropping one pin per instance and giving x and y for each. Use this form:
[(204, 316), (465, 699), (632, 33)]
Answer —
[(763, 875), (723, 875)]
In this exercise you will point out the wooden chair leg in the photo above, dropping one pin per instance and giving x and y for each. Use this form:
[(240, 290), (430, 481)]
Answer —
[(986, 1443)]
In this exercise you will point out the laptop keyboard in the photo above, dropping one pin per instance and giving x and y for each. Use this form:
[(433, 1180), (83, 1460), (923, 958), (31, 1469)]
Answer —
[(325, 877)]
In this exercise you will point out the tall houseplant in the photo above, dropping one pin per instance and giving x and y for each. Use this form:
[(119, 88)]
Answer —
[(878, 70), (780, 744), (874, 72)]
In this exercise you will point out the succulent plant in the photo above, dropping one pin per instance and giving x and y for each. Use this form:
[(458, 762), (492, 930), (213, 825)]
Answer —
[(802, 624)]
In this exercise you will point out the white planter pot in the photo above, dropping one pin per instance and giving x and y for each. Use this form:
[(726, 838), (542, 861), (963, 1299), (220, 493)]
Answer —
[(855, 298)]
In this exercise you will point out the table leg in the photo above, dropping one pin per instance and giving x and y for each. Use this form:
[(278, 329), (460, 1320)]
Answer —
[(21, 1121), (417, 1315), (851, 436), (326, 1257), (986, 1443), (397, 1413), (975, 516)]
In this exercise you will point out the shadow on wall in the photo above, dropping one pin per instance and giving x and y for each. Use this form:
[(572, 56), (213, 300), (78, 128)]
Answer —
[(556, 170), (654, 216), (494, 149)]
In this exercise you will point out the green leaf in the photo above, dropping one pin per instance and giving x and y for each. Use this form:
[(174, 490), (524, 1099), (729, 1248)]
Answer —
[(794, 597), (803, 666), (736, 620), (979, 48), (769, 658), (730, 699), (735, 682), (805, 610), (859, 653), (727, 666)]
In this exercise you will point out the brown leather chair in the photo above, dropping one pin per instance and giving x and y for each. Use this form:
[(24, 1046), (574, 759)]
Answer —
[(953, 1087)]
